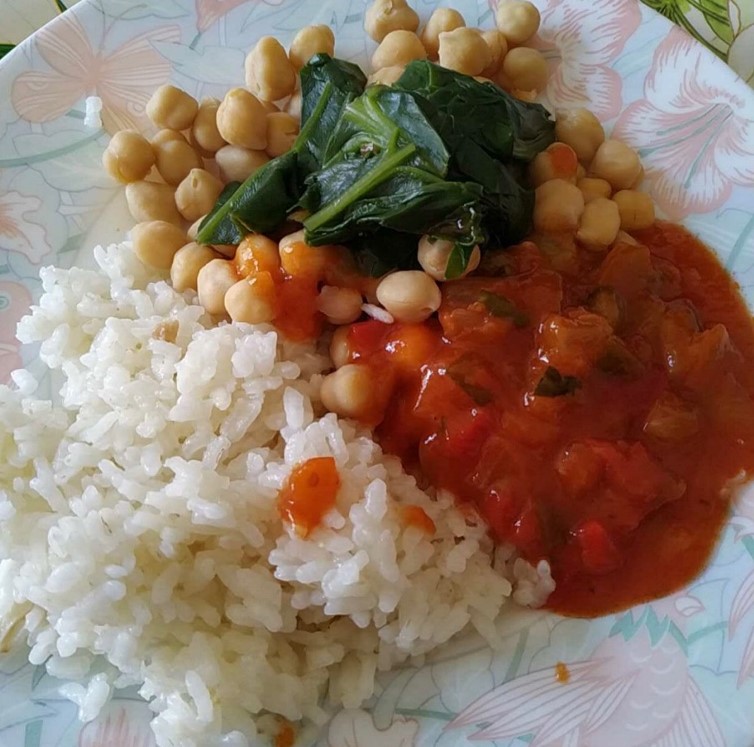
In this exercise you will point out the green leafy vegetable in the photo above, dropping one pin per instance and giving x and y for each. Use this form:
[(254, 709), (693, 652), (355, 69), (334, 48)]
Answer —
[(490, 135), (385, 168), (463, 109), (554, 384), (260, 204), (438, 153), (264, 200), (327, 86), (504, 308)]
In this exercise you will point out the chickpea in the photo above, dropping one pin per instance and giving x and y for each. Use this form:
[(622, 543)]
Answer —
[(636, 209), (194, 228), (398, 48), (175, 157), (197, 193), (599, 224), (252, 300), (339, 305), (639, 179), (238, 164), (171, 108), (464, 50), (187, 262), (434, 253), (384, 16), (616, 163), (270, 107), (350, 391), (212, 283), (155, 242), (558, 205), (592, 188), (442, 19), (580, 129), (256, 253), (409, 295), (282, 130), (152, 201), (205, 136), (242, 120), (580, 172), (498, 45), (340, 351), (293, 105), (167, 136), (269, 72), (523, 69), (386, 76), (557, 161), (309, 41), (128, 157), (518, 20), (298, 259)]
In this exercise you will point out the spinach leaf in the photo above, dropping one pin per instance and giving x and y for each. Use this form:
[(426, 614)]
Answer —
[(260, 204), (466, 109), (384, 169), (228, 191), (507, 203), (327, 85), (490, 134), (384, 250), (263, 201), (409, 200), (554, 384)]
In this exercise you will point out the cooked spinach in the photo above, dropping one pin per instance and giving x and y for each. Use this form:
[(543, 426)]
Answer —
[(555, 384), (503, 308), (264, 200), (438, 153), (327, 86)]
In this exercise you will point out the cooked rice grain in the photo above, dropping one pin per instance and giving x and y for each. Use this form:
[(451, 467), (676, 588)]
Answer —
[(138, 518)]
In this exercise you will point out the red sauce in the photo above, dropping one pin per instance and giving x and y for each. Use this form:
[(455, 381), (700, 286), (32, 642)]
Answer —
[(309, 493), (620, 480)]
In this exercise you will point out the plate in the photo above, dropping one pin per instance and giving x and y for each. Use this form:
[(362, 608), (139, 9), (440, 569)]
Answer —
[(676, 672)]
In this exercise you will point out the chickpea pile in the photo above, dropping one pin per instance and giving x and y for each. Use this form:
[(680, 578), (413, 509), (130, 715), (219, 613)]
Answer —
[(586, 185)]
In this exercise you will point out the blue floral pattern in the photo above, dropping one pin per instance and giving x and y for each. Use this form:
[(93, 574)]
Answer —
[(679, 671)]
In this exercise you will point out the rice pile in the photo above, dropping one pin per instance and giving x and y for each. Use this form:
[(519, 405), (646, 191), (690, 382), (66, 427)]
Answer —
[(139, 532)]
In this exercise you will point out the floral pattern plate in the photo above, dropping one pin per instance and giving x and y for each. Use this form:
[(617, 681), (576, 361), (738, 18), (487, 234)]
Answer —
[(678, 672)]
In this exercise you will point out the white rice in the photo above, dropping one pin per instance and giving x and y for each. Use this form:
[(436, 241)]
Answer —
[(139, 532)]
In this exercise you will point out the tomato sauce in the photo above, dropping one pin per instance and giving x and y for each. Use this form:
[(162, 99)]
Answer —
[(594, 408)]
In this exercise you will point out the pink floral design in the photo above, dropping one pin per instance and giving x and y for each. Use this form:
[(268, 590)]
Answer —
[(582, 38), (18, 233), (124, 79), (15, 300), (697, 143), (209, 11), (630, 694), (117, 730), (355, 728)]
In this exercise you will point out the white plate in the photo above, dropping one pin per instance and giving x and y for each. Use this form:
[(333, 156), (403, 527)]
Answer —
[(673, 673)]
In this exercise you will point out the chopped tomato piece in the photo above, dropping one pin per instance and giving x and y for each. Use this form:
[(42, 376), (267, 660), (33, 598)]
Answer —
[(309, 493), (598, 552), (367, 338), (416, 516)]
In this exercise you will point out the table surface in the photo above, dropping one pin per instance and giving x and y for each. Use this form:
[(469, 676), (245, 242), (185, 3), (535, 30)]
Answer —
[(724, 26)]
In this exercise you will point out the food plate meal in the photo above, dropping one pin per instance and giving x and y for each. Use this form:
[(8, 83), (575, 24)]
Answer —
[(375, 377)]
